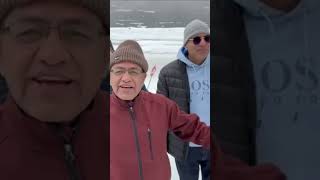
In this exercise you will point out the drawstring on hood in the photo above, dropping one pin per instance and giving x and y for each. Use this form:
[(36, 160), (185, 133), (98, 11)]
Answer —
[(259, 9), (195, 67), (305, 31), (271, 26)]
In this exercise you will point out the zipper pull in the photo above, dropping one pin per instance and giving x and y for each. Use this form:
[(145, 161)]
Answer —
[(131, 109), (130, 104), (70, 160), (69, 156), (150, 143)]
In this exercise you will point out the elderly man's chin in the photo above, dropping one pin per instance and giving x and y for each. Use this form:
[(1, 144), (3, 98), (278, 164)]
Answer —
[(127, 96), (53, 112), (54, 109)]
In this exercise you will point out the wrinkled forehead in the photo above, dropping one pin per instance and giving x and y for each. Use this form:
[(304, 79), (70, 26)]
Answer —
[(126, 65), (53, 12)]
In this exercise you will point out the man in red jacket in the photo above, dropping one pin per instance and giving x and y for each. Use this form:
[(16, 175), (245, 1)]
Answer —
[(139, 120), (53, 56)]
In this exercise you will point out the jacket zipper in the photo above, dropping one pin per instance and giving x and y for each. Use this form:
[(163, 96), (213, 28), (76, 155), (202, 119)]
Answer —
[(69, 156), (150, 143), (70, 160), (134, 124)]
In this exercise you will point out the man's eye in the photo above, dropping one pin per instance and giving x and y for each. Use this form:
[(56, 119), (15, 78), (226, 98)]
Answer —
[(28, 34), (133, 72), (118, 72), (76, 35)]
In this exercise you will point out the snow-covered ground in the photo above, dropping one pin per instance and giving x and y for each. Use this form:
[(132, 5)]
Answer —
[(160, 46)]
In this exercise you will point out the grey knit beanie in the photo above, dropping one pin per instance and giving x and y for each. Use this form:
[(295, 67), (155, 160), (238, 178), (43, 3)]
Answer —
[(98, 7), (129, 51), (193, 28)]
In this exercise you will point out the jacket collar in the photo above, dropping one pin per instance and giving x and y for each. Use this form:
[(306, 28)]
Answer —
[(124, 103)]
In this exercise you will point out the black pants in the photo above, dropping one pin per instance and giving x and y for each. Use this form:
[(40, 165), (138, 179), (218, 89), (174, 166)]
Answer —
[(198, 157)]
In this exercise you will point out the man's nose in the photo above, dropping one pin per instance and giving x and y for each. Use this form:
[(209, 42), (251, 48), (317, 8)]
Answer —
[(52, 51), (203, 42), (126, 77)]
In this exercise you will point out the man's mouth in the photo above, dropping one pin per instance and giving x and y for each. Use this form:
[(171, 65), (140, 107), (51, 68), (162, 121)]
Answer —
[(203, 51), (126, 87), (52, 80)]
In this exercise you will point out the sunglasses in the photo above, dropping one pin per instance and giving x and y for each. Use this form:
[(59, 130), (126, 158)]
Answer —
[(196, 40)]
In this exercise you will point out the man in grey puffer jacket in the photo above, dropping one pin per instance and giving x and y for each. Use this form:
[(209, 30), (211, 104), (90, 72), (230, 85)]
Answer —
[(187, 82)]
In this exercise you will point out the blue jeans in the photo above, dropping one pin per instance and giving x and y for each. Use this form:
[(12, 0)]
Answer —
[(189, 169)]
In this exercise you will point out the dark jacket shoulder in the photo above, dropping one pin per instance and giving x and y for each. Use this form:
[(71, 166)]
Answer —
[(173, 83), (173, 66)]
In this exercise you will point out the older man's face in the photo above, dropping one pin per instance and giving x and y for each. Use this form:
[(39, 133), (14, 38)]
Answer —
[(127, 80), (52, 55)]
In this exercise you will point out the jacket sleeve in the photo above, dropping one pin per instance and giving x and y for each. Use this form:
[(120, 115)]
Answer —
[(226, 167), (162, 87), (188, 126)]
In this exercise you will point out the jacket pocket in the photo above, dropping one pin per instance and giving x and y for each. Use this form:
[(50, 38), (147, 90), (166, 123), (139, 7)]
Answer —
[(150, 143)]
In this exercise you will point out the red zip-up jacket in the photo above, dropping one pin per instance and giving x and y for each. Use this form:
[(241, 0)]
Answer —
[(34, 150), (138, 136)]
